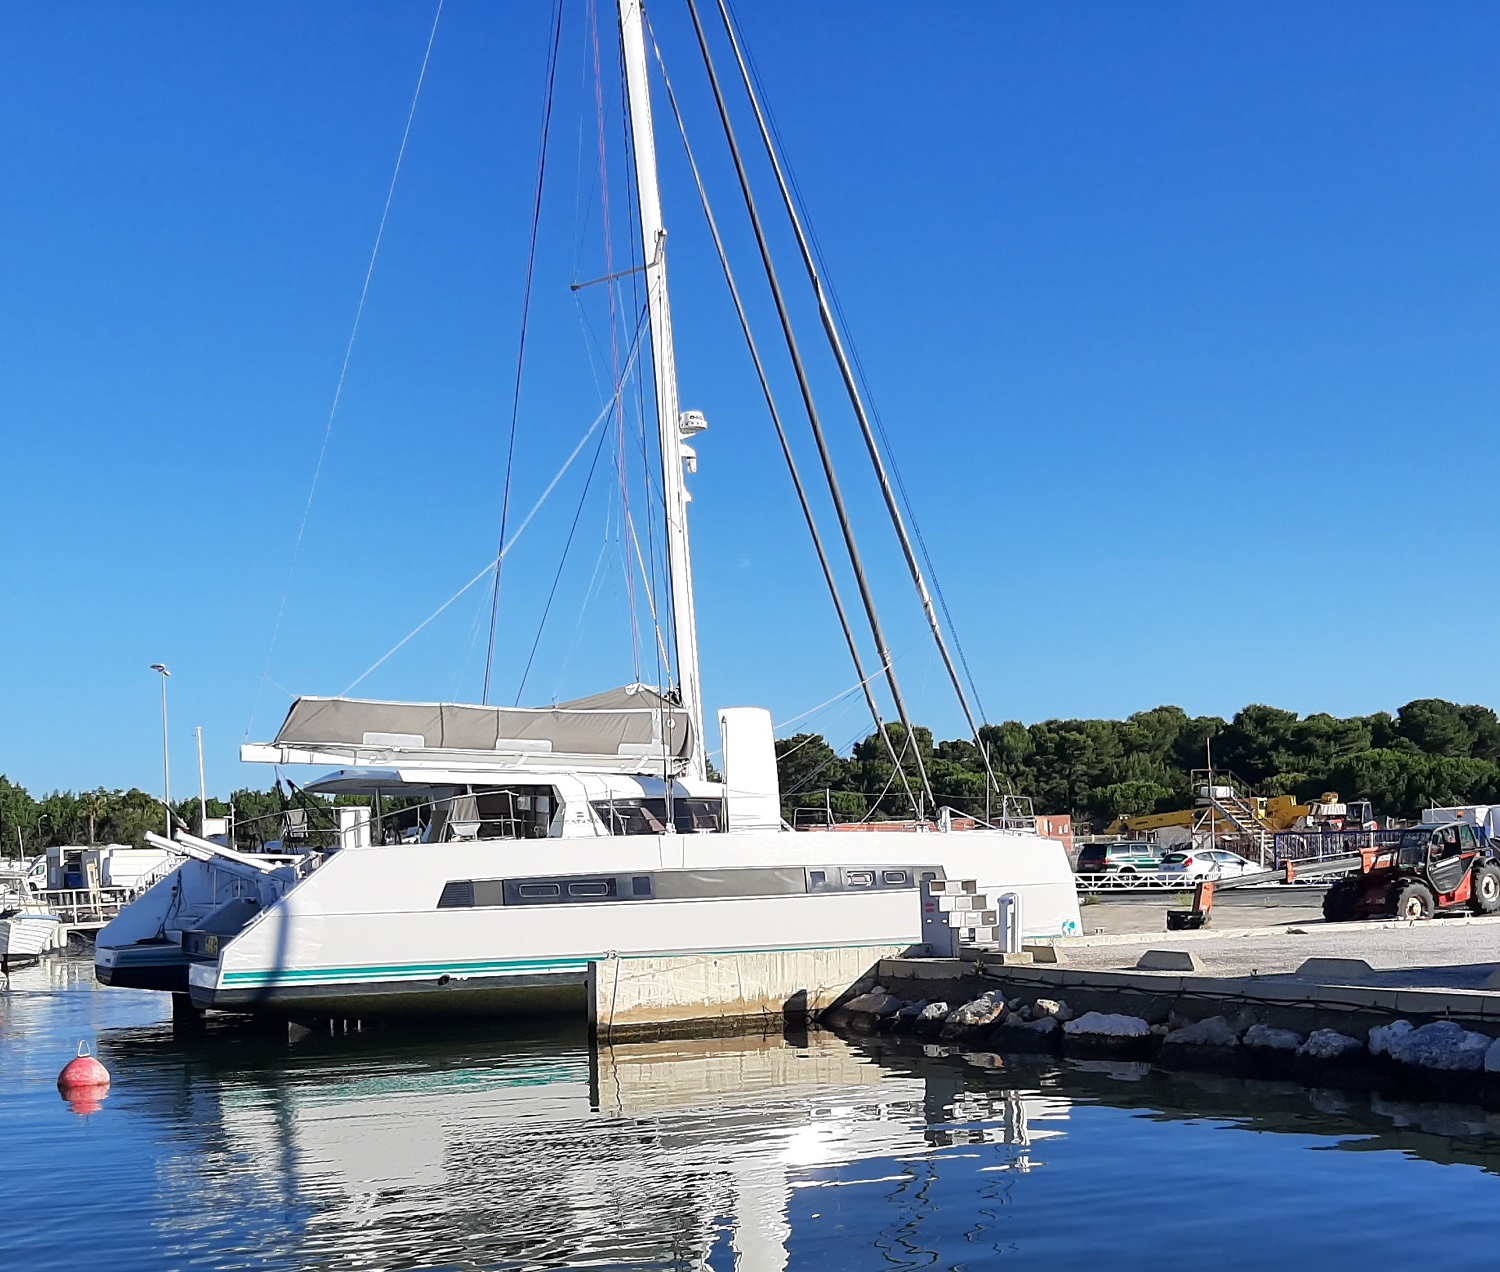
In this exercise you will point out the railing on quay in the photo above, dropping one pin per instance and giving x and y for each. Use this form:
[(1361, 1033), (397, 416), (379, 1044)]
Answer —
[(84, 907), (1313, 845), (1150, 881)]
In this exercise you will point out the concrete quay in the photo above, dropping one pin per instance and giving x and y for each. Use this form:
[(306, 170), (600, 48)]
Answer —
[(1433, 970), (1390, 1003)]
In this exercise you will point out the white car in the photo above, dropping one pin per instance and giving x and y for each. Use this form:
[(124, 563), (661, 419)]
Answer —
[(1205, 863)]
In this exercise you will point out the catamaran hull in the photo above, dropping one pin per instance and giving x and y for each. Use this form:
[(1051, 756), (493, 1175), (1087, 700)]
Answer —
[(147, 965), (515, 927)]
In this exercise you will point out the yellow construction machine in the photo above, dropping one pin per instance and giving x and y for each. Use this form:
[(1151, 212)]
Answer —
[(1272, 813)]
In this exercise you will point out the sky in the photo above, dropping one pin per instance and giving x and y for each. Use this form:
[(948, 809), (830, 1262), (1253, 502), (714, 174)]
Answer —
[(1181, 320)]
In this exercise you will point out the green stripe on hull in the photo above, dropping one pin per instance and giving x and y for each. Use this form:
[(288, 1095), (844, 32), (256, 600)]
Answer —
[(400, 971), (420, 971)]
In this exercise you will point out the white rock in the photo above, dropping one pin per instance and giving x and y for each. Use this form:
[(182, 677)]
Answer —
[(933, 1012), (1053, 1007), (1384, 1038), (1268, 1039), (1446, 1045), (1213, 1032), (1102, 1024), (1329, 1044)]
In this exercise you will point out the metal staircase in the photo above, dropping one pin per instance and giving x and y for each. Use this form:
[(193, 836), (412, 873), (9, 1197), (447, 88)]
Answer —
[(1229, 816)]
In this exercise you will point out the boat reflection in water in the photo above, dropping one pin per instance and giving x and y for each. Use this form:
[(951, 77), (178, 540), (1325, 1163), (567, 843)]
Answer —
[(665, 1153), (513, 1150)]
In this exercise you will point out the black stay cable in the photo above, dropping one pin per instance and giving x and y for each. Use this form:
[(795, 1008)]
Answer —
[(515, 406), (563, 561), (864, 379), (851, 387), (786, 447), (835, 493)]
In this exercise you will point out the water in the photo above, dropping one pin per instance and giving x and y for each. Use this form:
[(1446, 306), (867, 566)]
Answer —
[(497, 1149)]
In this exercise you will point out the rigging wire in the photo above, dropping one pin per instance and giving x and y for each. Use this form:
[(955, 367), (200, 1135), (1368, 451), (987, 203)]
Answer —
[(338, 391), (557, 578), (775, 413), (823, 706), (835, 755), (622, 472), (515, 404), (599, 419), (588, 597), (835, 341), (661, 649), (864, 379), (805, 386)]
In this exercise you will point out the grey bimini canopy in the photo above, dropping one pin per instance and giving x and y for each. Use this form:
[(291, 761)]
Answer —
[(630, 724)]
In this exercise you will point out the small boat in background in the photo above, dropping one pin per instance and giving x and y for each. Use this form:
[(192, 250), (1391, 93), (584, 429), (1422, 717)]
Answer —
[(27, 930)]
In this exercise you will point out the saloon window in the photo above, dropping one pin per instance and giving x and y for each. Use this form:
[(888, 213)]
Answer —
[(649, 816), (505, 812)]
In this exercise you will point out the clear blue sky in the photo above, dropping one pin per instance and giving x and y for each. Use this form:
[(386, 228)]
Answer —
[(1182, 318)]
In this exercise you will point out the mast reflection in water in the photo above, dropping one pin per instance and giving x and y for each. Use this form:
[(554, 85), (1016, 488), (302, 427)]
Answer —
[(486, 1150)]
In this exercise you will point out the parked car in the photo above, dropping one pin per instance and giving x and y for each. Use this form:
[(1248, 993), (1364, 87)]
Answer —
[(1207, 863), (1122, 857)]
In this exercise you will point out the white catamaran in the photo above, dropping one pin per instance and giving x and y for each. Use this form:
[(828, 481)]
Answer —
[(549, 839)]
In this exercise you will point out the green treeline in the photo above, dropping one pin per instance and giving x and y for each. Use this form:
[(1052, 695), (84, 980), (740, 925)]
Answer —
[(1429, 752), (30, 824)]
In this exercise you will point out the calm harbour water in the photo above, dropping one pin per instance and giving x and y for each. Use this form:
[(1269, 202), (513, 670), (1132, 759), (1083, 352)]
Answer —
[(500, 1149)]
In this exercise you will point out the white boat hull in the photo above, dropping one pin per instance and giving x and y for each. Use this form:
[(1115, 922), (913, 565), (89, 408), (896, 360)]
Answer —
[(26, 936), (381, 930)]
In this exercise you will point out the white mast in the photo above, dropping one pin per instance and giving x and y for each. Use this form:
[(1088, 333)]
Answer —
[(672, 426)]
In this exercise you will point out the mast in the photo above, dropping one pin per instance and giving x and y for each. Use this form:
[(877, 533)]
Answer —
[(672, 427)]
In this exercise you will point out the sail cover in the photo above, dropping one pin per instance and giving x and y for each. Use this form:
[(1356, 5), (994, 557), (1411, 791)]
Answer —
[(632, 721)]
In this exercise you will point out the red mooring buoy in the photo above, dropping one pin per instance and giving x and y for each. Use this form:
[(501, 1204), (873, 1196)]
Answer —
[(84, 1082)]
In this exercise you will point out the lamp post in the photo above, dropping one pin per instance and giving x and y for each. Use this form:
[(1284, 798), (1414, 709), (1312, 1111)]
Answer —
[(166, 750)]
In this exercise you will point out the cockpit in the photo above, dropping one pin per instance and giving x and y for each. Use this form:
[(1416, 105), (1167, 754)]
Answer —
[(437, 807)]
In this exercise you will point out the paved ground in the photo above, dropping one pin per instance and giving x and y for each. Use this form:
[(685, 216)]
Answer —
[(1273, 936), (1250, 908)]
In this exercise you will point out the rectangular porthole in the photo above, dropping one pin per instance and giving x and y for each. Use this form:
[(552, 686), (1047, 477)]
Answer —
[(893, 878), (539, 891), (859, 878), (457, 894), (592, 888)]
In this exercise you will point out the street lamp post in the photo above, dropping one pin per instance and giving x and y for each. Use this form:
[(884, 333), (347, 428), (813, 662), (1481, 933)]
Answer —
[(166, 750)]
